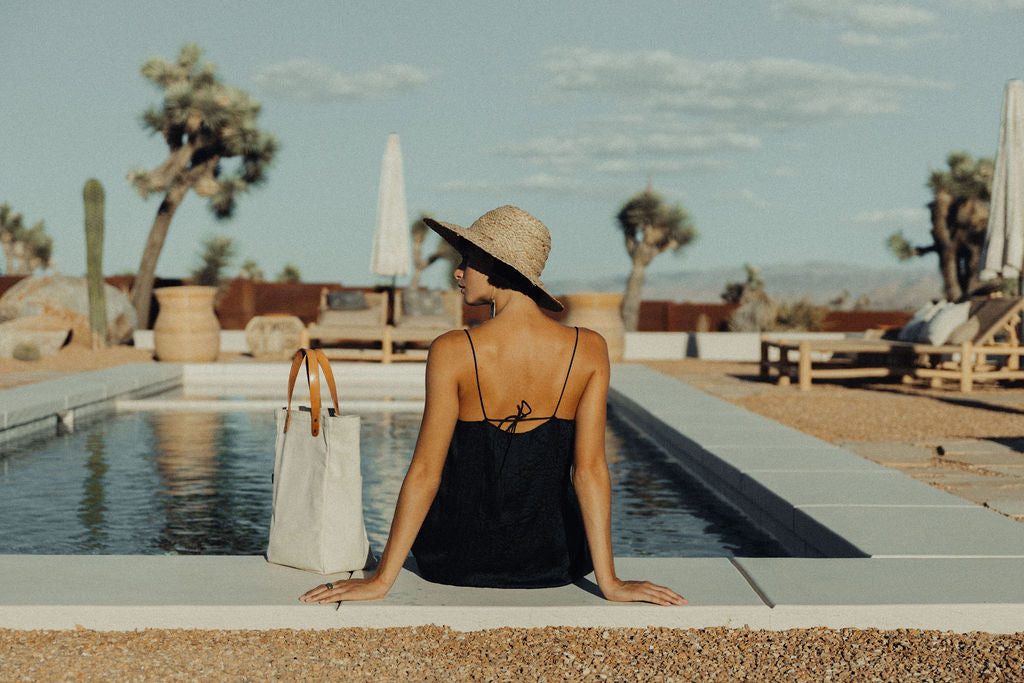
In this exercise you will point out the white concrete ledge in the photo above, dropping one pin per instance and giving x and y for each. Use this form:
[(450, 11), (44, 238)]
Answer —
[(108, 592), (36, 408)]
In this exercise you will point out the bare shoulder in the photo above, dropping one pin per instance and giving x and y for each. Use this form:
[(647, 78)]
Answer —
[(591, 358), (592, 347), (447, 348)]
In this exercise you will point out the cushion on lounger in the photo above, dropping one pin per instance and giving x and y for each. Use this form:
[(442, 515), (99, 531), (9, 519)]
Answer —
[(422, 302), (340, 300), (938, 329), (912, 330), (965, 331), (367, 317)]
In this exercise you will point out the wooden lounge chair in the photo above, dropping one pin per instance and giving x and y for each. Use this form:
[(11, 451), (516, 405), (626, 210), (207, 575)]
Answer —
[(420, 316), (985, 347), (348, 322)]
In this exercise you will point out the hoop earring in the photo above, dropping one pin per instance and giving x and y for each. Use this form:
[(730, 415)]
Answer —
[(492, 301)]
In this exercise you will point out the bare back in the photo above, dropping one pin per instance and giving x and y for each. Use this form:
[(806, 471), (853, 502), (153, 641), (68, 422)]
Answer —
[(524, 361)]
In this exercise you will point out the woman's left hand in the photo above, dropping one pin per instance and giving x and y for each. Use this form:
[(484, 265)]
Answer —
[(642, 591), (346, 589)]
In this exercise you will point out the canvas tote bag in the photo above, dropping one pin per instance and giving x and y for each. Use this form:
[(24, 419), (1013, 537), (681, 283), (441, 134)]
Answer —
[(316, 522)]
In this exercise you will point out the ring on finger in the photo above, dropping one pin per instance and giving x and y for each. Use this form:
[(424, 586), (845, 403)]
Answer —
[(329, 585)]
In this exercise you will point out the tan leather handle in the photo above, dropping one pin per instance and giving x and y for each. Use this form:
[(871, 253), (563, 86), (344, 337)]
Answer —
[(321, 359), (313, 378)]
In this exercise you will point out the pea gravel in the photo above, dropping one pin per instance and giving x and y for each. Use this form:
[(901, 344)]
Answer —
[(435, 653)]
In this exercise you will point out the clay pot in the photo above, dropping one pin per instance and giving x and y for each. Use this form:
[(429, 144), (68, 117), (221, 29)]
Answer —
[(601, 312), (186, 330)]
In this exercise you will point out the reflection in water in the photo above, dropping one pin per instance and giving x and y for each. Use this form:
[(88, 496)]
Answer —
[(207, 485), (187, 464), (92, 508)]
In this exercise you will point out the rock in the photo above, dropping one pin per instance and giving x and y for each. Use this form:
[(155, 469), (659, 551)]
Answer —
[(274, 337), (64, 300), (42, 333)]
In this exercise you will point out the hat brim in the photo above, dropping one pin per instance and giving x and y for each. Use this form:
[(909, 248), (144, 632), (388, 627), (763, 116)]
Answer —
[(458, 237)]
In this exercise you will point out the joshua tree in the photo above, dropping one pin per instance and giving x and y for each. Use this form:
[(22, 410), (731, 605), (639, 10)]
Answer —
[(25, 249), (251, 271), (758, 311), (290, 273), (736, 292), (203, 123), (650, 227), (217, 254), (959, 215), (443, 251)]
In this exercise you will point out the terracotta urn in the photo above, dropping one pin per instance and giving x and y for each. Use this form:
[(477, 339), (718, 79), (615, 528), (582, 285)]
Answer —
[(601, 312), (186, 329)]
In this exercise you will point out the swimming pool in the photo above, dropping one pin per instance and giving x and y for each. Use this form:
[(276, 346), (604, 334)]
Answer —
[(198, 482)]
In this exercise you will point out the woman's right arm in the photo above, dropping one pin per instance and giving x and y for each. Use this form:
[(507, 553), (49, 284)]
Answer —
[(440, 412), (593, 484)]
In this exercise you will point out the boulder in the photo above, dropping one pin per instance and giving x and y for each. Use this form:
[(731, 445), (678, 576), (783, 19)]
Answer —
[(44, 333), (64, 300)]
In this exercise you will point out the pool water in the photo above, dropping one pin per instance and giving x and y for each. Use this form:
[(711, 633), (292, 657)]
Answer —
[(200, 483)]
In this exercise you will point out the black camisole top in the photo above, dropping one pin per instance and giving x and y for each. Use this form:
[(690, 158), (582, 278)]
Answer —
[(506, 514)]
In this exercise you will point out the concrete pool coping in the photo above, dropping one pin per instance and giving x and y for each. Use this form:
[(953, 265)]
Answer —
[(897, 553)]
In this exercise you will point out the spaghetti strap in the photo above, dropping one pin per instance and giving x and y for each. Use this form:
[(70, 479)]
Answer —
[(571, 359), (476, 371)]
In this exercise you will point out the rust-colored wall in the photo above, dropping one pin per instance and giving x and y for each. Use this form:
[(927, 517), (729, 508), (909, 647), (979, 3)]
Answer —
[(243, 299), (669, 316)]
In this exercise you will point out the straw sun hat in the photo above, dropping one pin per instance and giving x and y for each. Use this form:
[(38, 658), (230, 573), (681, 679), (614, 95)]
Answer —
[(513, 237)]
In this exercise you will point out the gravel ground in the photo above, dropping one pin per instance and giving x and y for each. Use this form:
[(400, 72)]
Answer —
[(433, 653), (863, 411), (882, 412), (72, 358)]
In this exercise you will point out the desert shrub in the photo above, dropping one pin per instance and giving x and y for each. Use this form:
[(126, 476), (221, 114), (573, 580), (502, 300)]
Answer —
[(799, 315)]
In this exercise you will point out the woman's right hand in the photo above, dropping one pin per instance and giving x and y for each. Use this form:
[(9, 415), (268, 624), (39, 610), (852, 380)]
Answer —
[(641, 591)]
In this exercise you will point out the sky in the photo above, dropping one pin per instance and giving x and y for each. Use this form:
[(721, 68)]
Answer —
[(790, 130)]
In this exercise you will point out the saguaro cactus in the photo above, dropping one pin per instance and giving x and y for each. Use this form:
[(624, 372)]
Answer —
[(93, 196)]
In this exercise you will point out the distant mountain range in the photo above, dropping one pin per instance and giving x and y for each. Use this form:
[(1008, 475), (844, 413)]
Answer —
[(886, 288)]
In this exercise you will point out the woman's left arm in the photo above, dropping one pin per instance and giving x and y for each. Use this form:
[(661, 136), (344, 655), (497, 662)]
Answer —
[(440, 412), (593, 485)]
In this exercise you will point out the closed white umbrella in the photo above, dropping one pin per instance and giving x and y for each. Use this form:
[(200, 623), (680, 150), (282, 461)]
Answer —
[(391, 240), (1004, 242)]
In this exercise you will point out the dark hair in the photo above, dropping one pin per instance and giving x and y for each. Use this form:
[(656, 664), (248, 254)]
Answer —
[(499, 274)]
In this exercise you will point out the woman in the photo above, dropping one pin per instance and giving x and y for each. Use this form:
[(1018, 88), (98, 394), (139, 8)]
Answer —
[(508, 485)]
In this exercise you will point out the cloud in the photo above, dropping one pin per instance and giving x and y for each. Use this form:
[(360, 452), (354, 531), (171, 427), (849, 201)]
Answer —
[(640, 167), (769, 92), (541, 182), (871, 15), (871, 40), (744, 196), (990, 6), (610, 148), (305, 80), (871, 23), (897, 216)]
